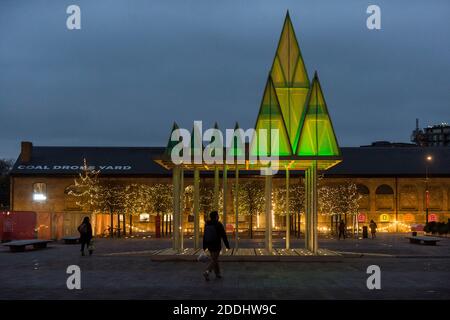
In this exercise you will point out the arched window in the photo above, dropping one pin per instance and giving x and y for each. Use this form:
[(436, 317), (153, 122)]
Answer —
[(409, 197), (384, 189), (365, 194), (39, 191), (384, 197), (362, 189)]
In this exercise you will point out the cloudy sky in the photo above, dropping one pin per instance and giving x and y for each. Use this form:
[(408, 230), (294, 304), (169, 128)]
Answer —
[(137, 66)]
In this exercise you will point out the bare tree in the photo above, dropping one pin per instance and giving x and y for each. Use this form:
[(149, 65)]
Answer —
[(251, 200), (296, 202), (161, 203), (136, 201), (98, 196)]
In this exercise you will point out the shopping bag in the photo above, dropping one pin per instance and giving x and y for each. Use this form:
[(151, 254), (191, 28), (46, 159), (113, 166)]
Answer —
[(91, 246), (203, 257)]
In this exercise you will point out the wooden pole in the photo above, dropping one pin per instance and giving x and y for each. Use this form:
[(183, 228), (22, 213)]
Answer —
[(225, 182), (307, 209), (124, 225), (196, 209), (180, 218), (314, 205), (288, 215), (216, 189), (268, 207), (236, 209), (311, 242), (176, 206)]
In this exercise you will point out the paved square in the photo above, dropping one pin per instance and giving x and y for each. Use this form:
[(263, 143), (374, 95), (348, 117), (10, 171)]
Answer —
[(122, 269)]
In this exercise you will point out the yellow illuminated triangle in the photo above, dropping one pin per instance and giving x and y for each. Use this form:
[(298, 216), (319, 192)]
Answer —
[(288, 69), (290, 80), (316, 136), (270, 117)]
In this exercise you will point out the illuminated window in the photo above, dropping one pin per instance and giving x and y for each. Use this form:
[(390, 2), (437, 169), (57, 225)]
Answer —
[(39, 191), (144, 217)]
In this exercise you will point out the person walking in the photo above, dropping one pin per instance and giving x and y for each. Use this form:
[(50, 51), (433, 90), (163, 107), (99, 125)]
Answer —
[(85, 230), (213, 235), (342, 229), (373, 229)]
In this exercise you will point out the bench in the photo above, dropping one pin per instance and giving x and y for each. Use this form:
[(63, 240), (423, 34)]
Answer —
[(71, 240), (19, 245), (431, 241)]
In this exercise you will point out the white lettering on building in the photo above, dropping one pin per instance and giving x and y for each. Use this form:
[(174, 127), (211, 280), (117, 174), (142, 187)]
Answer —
[(73, 167)]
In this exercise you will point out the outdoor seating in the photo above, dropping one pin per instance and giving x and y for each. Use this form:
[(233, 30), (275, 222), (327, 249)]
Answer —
[(431, 241), (19, 245), (71, 240)]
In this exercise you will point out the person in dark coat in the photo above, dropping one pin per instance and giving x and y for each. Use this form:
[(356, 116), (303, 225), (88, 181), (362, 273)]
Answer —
[(85, 230), (373, 228), (341, 229), (213, 235)]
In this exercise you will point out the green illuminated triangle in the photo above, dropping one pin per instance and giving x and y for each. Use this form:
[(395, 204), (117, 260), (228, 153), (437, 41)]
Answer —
[(170, 143), (270, 117), (290, 80), (316, 136)]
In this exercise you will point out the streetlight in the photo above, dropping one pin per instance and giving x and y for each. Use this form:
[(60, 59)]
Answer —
[(427, 194)]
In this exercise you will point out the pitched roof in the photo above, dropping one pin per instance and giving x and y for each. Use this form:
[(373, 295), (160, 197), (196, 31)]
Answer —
[(109, 160), (393, 161), (137, 161)]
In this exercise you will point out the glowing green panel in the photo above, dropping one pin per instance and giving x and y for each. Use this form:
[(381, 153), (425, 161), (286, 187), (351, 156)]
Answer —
[(292, 103), (317, 136), (270, 117)]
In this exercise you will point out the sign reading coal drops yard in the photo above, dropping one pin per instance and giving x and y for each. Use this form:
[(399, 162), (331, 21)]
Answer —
[(72, 167)]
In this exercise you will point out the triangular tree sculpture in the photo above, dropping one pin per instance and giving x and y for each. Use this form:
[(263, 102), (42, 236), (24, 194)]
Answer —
[(317, 137), (290, 80), (270, 117)]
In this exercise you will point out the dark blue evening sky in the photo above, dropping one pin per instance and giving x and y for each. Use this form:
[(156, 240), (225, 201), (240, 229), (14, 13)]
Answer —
[(136, 66)]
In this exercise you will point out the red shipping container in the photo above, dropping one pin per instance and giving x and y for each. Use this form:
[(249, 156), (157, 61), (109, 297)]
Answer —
[(17, 225)]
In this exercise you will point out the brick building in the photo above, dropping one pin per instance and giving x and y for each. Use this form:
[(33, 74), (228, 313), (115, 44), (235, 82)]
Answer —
[(392, 181)]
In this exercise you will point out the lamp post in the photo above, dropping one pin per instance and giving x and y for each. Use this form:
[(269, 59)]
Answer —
[(427, 193)]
